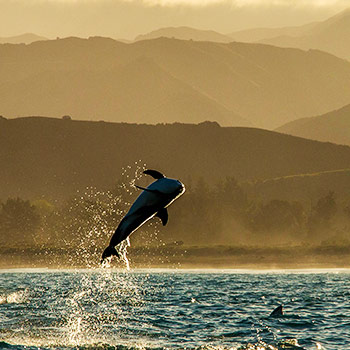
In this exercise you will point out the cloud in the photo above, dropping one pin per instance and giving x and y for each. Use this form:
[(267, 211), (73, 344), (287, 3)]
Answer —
[(247, 3), (203, 3), (293, 3), (199, 3)]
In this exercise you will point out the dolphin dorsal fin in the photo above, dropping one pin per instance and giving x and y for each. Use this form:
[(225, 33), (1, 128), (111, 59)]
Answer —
[(277, 312), (154, 173), (163, 215)]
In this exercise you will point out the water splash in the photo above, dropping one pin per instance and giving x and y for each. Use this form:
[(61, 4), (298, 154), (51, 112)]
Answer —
[(123, 252), (18, 297), (97, 311), (129, 177), (99, 302), (87, 222)]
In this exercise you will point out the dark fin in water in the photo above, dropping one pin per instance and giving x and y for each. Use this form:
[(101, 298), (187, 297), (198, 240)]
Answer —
[(109, 251), (163, 215), (277, 312), (154, 173)]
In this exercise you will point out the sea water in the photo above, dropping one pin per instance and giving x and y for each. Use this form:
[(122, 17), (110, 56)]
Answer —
[(173, 309)]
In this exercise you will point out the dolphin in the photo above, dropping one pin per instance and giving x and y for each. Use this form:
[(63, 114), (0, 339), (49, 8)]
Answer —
[(152, 201)]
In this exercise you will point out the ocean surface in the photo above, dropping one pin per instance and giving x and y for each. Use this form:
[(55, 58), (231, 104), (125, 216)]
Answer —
[(173, 309)]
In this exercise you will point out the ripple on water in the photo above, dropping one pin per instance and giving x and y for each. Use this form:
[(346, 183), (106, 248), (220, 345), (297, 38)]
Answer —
[(104, 309)]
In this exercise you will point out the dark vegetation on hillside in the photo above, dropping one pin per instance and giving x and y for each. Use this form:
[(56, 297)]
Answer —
[(53, 158), (205, 216), (247, 189)]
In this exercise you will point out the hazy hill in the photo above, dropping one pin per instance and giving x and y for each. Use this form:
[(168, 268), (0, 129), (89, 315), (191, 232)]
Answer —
[(27, 38), (164, 80), (186, 33), (136, 92), (331, 35), (54, 157), (261, 34), (332, 127)]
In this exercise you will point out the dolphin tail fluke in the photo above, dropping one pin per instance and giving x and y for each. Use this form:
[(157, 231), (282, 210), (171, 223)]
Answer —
[(109, 251)]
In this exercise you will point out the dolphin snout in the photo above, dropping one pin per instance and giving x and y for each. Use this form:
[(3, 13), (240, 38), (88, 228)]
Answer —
[(181, 187)]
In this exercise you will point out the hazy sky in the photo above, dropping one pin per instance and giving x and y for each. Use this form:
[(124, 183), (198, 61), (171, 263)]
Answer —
[(128, 18)]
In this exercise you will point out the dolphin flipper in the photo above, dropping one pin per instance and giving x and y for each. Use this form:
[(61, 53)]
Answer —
[(148, 190), (163, 215), (154, 173)]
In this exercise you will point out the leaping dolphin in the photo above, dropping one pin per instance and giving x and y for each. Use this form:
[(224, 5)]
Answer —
[(152, 201)]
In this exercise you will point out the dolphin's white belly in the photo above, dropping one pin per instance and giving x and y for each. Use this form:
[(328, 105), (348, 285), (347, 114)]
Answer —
[(160, 191)]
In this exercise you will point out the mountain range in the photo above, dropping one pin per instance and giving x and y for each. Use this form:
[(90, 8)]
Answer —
[(52, 158), (185, 33), (168, 80), (331, 35), (253, 35)]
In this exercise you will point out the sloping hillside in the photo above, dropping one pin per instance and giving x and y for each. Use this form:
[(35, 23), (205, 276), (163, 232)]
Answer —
[(136, 92), (331, 35), (305, 188), (164, 80), (186, 33), (330, 127), (54, 157), (261, 34)]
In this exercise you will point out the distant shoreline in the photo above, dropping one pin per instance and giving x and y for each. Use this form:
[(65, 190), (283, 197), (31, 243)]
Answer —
[(178, 270), (179, 258)]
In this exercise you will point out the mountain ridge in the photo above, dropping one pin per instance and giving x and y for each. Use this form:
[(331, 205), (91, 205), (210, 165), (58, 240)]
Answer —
[(254, 35), (330, 35), (185, 33), (330, 127), (239, 80)]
